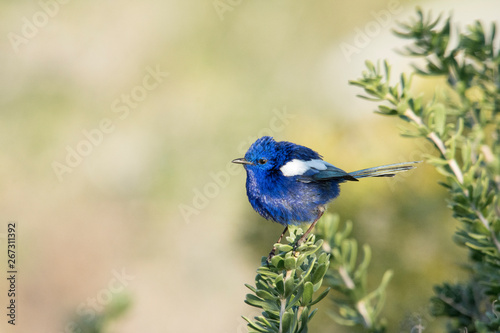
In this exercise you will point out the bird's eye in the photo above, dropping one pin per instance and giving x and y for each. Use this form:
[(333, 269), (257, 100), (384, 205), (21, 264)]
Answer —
[(262, 161)]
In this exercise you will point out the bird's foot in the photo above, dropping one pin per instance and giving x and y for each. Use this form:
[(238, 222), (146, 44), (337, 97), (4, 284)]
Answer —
[(271, 255), (298, 243), (301, 240), (295, 247)]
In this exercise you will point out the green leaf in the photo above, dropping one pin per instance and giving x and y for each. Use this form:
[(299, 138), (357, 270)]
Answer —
[(284, 247), (439, 118), (304, 318), (341, 319), (323, 258), (321, 296), (386, 110), (254, 326), (363, 266), (313, 312), (307, 294), (319, 273), (262, 321), (280, 286), (295, 297), (289, 286), (278, 262), (370, 66), (266, 271), (254, 301), (387, 70), (250, 287), (290, 263), (309, 269), (266, 295), (288, 322)]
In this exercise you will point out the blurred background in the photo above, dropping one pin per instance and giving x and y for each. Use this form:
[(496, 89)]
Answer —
[(118, 122)]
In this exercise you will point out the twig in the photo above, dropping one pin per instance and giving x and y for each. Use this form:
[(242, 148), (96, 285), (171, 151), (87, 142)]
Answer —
[(485, 222), (456, 306), (360, 305), (452, 163), (346, 278), (282, 312)]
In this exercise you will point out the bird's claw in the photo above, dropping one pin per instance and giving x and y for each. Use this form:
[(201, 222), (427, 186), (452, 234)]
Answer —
[(271, 255), (294, 249)]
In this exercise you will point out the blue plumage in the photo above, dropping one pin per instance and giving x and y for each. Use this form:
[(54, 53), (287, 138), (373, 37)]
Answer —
[(291, 184)]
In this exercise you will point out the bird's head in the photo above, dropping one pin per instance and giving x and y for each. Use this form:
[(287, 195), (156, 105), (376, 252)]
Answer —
[(263, 155), (266, 156)]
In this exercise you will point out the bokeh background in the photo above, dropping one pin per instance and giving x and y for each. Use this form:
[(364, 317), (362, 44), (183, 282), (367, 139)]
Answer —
[(118, 121)]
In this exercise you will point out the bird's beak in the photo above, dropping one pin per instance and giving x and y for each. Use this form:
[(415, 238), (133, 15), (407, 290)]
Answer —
[(241, 161)]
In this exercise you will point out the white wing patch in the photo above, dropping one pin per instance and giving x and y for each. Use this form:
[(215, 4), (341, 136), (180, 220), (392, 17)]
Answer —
[(298, 167)]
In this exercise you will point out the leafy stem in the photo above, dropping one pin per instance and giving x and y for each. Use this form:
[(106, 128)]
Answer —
[(463, 123)]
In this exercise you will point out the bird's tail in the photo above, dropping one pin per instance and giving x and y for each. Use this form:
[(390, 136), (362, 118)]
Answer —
[(384, 171)]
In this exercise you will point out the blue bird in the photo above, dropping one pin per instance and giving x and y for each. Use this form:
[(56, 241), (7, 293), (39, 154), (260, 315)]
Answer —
[(291, 184)]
